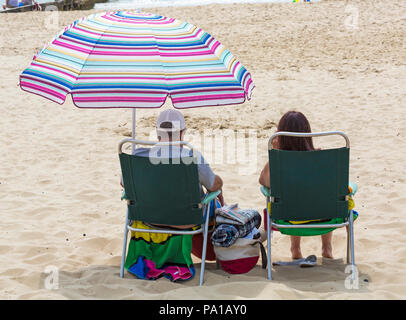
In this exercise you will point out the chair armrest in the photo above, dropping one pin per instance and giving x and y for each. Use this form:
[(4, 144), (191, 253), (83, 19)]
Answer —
[(210, 196), (266, 191), (354, 187)]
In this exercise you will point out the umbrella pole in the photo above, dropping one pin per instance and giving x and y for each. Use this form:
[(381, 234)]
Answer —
[(133, 130)]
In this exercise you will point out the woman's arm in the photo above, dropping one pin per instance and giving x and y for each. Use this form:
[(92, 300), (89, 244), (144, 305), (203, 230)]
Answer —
[(264, 178)]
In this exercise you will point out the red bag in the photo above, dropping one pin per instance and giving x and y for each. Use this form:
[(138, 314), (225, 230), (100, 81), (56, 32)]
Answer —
[(197, 247), (242, 256)]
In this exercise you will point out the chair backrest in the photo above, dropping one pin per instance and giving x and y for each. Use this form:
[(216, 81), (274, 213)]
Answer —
[(309, 185), (163, 191)]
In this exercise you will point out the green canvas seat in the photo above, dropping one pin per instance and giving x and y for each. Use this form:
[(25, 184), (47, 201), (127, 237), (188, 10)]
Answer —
[(163, 191), (310, 187)]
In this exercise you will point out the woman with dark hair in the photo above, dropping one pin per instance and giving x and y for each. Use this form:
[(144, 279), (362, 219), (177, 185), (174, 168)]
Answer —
[(293, 121)]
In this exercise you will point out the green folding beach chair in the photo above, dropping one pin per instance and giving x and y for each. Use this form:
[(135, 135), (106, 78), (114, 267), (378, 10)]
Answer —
[(309, 185), (163, 191)]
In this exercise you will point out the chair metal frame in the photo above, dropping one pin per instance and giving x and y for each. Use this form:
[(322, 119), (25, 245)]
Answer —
[(206, 205), (269, 199)]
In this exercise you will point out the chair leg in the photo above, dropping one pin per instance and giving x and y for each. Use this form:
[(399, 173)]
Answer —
[(348, 244), (124, 246), (269, 226), (352, 245), (205, 236)]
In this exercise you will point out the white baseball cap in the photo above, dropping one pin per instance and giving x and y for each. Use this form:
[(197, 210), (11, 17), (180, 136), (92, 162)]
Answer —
[(173, 116)]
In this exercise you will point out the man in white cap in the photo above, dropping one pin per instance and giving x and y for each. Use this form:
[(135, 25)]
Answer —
[(171, 126)]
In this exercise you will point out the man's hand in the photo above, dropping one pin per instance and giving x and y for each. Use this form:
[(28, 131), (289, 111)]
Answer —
[(220, 197), (217, 185)]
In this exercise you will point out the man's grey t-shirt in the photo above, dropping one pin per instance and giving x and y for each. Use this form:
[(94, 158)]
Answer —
[(206, 174)]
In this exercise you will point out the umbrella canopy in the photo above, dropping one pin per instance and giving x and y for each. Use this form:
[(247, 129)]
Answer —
[(135, 60)]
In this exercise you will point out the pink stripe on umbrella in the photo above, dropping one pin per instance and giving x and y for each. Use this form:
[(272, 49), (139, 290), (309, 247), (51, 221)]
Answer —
[(52, 84), (42, 89), (207, 97), (114, 98)]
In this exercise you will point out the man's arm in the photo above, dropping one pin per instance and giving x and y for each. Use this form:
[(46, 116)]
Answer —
[(207, 178), (217, 184)]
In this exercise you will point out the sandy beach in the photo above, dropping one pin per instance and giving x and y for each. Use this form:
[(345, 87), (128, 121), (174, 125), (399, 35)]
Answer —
[(59, 174)]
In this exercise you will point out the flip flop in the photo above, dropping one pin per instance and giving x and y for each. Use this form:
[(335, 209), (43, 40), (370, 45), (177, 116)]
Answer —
[(295, 262), (309, 261)]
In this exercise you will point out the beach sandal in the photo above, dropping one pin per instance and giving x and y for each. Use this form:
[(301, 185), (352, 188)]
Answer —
[(309, 261)]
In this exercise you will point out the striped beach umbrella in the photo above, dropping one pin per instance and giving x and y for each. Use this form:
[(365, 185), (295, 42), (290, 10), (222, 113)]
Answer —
[(136, 60)]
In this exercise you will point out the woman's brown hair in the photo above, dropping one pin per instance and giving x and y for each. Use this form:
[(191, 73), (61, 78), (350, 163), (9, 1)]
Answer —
[(293, 121)]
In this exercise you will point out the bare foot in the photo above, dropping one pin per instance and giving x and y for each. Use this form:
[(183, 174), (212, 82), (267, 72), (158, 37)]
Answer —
[(326, 248), (327, 253), (296, 253), (295, 247)]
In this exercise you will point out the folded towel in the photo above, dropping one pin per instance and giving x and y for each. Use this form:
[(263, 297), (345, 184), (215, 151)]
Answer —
[(235, 215), (227, 234)]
